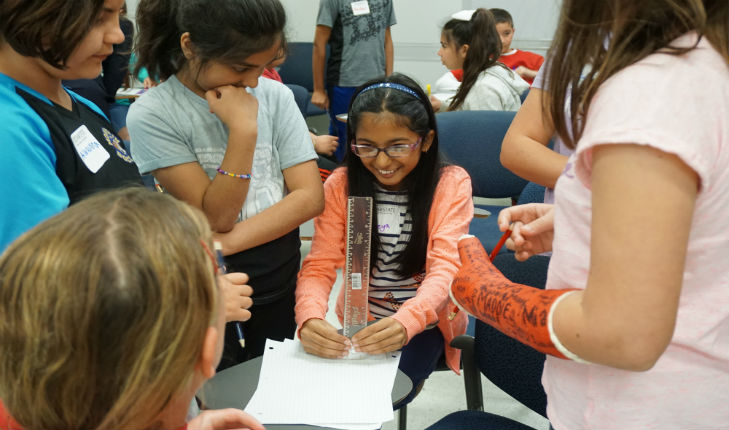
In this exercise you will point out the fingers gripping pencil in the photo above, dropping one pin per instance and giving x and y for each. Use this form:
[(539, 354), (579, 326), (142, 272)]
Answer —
[(221, 267)]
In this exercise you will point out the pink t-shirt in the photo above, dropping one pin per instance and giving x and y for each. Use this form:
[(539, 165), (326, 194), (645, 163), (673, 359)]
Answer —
[(679, 105)]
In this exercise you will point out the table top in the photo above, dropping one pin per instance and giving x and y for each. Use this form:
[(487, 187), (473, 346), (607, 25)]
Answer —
[(234, 387), (129, 93)]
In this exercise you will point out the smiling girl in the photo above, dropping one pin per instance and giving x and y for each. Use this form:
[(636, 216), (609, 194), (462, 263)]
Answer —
[(422, 206), (236, 147), (56, 147)]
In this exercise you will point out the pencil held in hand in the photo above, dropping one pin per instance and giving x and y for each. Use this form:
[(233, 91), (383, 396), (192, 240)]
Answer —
[(221, 268), (502, 241)]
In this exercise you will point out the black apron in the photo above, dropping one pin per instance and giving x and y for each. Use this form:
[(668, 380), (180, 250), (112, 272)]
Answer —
[(272, 267), (118, 171)]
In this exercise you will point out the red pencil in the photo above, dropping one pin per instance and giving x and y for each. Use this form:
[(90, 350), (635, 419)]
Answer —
[(501, 243), (493, 255)]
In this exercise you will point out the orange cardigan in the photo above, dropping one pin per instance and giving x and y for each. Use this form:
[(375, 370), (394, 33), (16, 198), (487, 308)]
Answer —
[(450, 215)]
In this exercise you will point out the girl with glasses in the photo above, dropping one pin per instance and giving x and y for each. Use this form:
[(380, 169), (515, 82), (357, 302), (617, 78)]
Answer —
[(421, 207)]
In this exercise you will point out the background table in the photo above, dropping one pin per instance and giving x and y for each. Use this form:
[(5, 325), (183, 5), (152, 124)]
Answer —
[(234, 387)]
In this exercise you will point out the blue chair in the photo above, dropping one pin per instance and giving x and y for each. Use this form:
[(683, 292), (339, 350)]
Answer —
[(301, 96), (472, 140), (297, 70), (532, 193), (510, 365), (471, 420), (524, 95)]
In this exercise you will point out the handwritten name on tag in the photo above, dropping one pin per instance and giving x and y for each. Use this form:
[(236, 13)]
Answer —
[(360, 8), (89, 149)]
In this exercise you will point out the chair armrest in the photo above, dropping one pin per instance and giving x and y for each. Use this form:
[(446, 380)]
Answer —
[(471, 374)]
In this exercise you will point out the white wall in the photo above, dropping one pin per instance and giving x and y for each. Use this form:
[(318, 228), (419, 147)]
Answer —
[(131, 8), (417, 33)]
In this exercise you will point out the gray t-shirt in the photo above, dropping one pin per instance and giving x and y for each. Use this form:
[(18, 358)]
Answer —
[(171, 125), (357, 41)]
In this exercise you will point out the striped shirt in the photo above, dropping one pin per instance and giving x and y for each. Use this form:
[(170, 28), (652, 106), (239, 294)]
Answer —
[(388, 290)]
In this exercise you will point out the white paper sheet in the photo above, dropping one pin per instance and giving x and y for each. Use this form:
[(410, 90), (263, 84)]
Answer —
[(299, 388)]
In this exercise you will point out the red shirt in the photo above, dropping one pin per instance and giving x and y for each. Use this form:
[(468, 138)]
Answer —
[(527, 59), (6, 421), (271, 73)]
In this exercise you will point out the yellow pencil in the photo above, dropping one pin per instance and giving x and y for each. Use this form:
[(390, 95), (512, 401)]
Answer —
[(427, 89)]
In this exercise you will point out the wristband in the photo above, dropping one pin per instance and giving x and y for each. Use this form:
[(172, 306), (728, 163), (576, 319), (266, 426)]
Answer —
[(233, 175), (519, 311)]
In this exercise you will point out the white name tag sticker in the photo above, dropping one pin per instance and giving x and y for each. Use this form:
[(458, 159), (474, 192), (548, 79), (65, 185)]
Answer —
[(388, 219), (360, 8), (89, 149)]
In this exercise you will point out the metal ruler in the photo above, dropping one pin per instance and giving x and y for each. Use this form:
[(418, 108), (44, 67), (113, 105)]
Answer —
[(357, 266)]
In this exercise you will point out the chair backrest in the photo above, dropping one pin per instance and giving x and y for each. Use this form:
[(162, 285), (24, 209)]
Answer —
[(507, 363), (297, 67), (301, 96), (532, 193), (472, 140), (524, 95)]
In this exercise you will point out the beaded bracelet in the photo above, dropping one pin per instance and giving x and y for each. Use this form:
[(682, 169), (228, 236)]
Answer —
[(223, 172)]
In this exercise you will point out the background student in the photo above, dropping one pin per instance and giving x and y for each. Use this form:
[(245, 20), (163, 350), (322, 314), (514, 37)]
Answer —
[(472, 44), (220, 139), (446, 87), (57, 147), (324, 144), (112, 318), (421, 207), (360, 48), (525, 63), (635, 316)]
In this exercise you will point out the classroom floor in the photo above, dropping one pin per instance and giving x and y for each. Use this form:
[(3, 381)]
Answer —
[(443, 392)]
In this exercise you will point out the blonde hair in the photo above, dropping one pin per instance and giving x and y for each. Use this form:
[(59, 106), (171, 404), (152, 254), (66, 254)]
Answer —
[(104, 311)]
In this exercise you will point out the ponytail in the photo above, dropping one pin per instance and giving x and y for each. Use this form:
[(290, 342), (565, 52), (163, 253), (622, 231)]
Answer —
[(158, 44), (484, 49), (224, 30)]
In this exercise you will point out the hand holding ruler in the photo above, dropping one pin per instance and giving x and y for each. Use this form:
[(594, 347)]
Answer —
[(357, 266)]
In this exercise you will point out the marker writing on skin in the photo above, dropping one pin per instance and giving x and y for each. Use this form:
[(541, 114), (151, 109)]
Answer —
[(493, 255), (221, 266)]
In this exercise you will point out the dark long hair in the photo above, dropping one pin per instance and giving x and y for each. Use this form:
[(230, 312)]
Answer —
[(227, 30), (47, 29), (417, 114), (610, 35), (484, 48)]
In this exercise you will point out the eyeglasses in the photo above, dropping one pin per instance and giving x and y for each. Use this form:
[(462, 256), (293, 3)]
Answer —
[(393, 151)]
